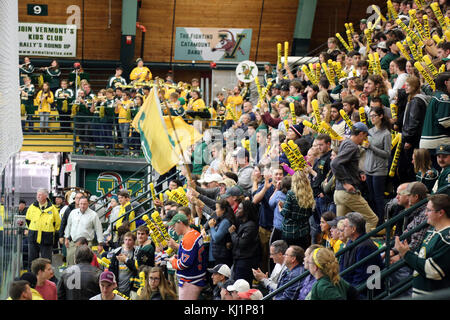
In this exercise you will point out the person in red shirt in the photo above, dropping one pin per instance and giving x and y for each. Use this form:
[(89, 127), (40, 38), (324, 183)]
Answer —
[(43, 270)]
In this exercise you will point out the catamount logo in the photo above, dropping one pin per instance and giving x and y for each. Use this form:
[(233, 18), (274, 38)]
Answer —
[(107, 181), (229, 44)]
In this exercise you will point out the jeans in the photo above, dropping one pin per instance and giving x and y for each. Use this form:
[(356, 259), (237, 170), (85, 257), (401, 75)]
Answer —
[(376, 186), (124, 132), (43, 118)]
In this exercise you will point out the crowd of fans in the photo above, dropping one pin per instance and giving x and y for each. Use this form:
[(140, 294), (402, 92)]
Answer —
[(372, 140)]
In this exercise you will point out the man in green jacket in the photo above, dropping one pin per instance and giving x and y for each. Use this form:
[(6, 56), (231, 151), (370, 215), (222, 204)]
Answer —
[(443, 159)]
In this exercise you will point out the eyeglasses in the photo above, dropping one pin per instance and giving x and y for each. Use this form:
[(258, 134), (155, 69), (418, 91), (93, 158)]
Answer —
[(154, 279), (373, 116)]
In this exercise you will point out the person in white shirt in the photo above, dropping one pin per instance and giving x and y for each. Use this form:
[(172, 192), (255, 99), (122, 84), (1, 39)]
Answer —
[(82, 222), (400, 70), (277, 251)]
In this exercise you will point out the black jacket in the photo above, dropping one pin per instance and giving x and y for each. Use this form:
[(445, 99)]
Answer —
[(414, 115), (246, 241), (130, 263), (65, 219), (79, 282), (322, 167)]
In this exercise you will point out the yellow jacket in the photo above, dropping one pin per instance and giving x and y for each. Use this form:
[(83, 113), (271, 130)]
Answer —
[(129, 217), (197, 105), (235, 103), (2, 214), (124, 111), (42, 223), (140, 74), (46, 103), (35, 295)]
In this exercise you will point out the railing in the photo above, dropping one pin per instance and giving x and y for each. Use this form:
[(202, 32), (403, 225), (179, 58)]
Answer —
[(399, 288)]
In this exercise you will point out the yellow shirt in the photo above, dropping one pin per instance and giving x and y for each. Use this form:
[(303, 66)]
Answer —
[(124, 111), (167, 93), (45, 105), (197, 105), (235, 102), (140, 74)]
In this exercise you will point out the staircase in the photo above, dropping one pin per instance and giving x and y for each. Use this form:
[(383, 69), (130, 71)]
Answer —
[(54, 142)]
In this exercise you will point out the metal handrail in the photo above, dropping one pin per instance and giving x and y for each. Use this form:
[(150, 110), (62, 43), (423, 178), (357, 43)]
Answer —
[(387, 224)]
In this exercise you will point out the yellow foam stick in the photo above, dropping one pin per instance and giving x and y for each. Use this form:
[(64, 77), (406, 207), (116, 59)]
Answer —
[(437, 39), (376, 59), (327, 72), (437, 12), (346, 26), (362, 115), (394, 111), (352, 30), (419, 4), (377, 10), (331, 69), (308, 73), (279, 55), (161, 197), (371, 62), (318, 68), (338, 68), (396, 157), (430, 66), (286, 124), (447, 35), (157, 218), (414, 50), (258, 87), (415, 21), (350, 40), (121, 294), (230, 110), (315, 127), (403, 50), (395, 140), (425, 74), (316, 112), (409, 32), (338, 35), (442, 68), (368, 38), (141, 279), (333, 134), (346, 119), (392, 9), (286, 50), (102, 263), (159, 236), (294, 117), (154, 239), (294, 162), (296, 150), (426, 26), (152, 190)]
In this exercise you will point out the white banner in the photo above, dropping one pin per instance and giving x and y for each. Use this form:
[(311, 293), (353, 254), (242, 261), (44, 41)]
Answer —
[(44, 39)]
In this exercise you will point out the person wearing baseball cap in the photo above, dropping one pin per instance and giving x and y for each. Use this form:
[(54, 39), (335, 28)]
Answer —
[(220, 274), (108, 283), (239, 285), (345, 167), (443, 159), (140, 72), (252, 294)]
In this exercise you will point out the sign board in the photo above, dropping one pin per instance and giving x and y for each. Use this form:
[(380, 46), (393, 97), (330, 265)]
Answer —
[(246, 71), (100, 182), (53, 40), (37, 9), (212, 44)]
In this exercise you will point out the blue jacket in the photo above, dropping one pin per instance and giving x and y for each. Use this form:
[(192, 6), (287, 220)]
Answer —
[(265, 211), (290, 293), (308, 283), (219, 236), (349, 258), (273, 203)]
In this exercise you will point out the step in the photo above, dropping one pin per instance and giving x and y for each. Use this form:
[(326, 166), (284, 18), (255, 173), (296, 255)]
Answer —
[(48, 143)]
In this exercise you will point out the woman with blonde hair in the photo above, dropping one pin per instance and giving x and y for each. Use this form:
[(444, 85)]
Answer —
[(423, 168), (297, 209), (324, 266), (156, 287)]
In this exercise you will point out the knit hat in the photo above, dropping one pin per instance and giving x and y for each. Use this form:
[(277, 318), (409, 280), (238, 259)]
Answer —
[(298, 129)]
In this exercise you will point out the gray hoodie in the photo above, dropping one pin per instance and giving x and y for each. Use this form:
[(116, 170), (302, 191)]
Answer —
[(378, 153)]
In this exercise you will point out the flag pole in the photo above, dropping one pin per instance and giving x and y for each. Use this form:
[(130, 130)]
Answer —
[(188, 170)]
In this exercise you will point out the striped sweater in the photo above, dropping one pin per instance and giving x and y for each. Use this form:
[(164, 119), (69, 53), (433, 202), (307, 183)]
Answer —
[(192, 260)]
